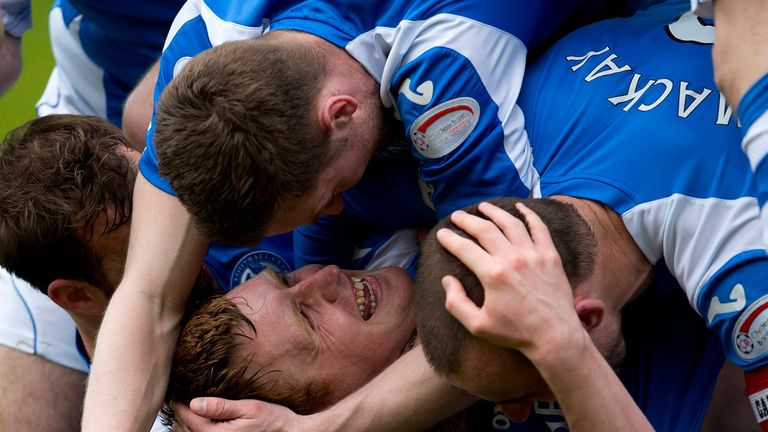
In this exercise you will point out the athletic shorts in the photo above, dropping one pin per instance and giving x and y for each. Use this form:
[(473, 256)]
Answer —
[(30, 322)]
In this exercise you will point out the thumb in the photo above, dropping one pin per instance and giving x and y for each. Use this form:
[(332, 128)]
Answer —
[(216, 408)]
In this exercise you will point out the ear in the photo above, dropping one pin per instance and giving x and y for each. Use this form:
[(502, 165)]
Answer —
[(78, 297), (336, 109), (590, 311)]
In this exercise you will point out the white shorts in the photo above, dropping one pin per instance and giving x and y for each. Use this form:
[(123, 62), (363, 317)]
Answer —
[(30, 322)]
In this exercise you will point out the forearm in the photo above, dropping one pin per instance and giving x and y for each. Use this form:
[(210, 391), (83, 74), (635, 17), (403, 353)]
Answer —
[(128, 377), (407, 396), (740, 53), (138, 333), (137, 112), (578, 369)]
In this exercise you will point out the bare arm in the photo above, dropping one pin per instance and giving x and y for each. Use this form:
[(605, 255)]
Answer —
[(57, 392), (10, 57), (521, 309), (137, 112), (740, 53), (141, 325), (407, 396)]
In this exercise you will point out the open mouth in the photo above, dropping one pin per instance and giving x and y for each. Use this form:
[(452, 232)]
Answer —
[(366, 300)]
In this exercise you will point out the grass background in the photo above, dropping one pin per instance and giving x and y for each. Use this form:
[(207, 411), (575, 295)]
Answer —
[(17, 105)]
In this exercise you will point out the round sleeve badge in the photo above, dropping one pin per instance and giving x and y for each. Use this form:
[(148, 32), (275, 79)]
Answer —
[(750, 334), (440, 130)]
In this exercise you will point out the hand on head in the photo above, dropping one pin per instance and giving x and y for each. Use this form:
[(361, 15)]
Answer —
[(526, 289), (215, 414)]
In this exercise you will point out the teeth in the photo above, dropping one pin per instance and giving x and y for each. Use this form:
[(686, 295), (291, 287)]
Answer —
[(360, 287)]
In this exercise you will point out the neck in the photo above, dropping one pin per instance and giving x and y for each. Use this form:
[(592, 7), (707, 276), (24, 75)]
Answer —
[(410, 343), (621, 270), (88, 327)]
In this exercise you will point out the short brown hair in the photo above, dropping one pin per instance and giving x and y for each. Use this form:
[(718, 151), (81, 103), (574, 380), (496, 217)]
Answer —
[(442, 335), (58, 175), (205, 363), (235, 134)]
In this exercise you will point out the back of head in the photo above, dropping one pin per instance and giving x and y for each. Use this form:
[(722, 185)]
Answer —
[(64, 180), (207, 362), (443, 337), (235, 134)]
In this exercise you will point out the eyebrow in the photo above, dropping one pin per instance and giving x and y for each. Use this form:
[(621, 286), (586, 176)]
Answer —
[(270, 273)]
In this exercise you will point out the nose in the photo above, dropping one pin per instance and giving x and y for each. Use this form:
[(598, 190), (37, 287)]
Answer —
[(517, 412), (335, 206), (322, 284)]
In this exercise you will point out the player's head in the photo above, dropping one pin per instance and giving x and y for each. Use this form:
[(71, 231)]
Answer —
[(305, 339), (66, 185), (487, 370), (252, 140)]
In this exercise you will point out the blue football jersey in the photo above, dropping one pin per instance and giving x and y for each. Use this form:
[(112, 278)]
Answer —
[(233, 265), (124, 38), (449, 71), (102, 49), (752, 112), (626, 112)]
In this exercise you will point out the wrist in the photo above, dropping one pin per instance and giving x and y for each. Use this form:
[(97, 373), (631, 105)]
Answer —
[(330, 420), (559, 349)]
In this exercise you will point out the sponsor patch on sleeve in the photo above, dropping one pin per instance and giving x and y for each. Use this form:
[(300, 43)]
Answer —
[(440, 130), (750, 334)]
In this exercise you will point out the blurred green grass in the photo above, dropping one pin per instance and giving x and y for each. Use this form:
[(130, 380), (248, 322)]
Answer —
[(17, 105)]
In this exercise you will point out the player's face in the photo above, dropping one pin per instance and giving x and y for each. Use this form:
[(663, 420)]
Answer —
[(350, 156), (112, 247), (499, 375), (320, 323), (506, 376), (325, 198)]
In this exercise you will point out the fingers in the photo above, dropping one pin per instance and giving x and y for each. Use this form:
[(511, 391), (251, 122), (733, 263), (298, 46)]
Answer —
[(187, 420), (216, 408), (493, 235), (512, 227), (466, 250), (539, 231), (458, 304)]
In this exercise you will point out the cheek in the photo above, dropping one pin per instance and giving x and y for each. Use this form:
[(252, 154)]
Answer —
[(368, 353)]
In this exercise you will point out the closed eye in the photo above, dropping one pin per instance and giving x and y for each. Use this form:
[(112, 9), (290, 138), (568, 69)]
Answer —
[(307, 318)]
